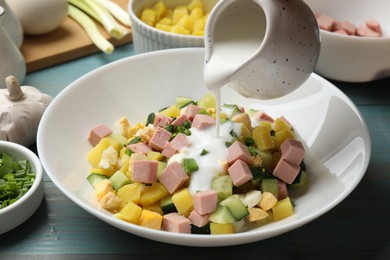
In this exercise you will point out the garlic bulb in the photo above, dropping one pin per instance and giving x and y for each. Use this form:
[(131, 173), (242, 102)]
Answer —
[(21, 109)]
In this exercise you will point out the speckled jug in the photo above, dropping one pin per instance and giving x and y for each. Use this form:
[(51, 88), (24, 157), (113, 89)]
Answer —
[(284, 57), (11, 59)]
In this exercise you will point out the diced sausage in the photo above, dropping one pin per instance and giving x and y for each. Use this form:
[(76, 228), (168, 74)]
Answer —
[(282, 190), (162, 120), (173, 177), (98, 133), (346, 26), (363, 30), (174, 222), (168, 150), (325, 22), (239, 172), (180, 120), (139, 147), (202, 121), (286, 171), (260, 116), (292, 151), (341, 32), (205, 201), (191, 111), (180, 141), (159, 138), (374, 25), (145, 171), (197, 219), (238, 151)]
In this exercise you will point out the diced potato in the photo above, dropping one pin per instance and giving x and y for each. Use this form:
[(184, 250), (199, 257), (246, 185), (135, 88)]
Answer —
[(150, 219), (182, 200), (107, 172), (178, 13), (197, 14), (149, 16), (256, 214), (263, 139), (195, 4), (198, 33), (282, 136), (153, 155), (130, 192), (94, 156), (199, 25), (217, 228), (152, 194), (244, 119), (268, 201), (164, 27), (187, 22), (155, 207), (172, 111), (283, 209), (267, 124), (207, 101), (166, 21), (131, 212), (281, 124), (160, 9)]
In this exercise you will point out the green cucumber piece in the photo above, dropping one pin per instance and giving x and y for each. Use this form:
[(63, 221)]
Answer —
[(190, 165), (200, 230), (183, 101), (222, 215), (223, 185), (230, 110), (167, 205), (236, 207), (94, 178), (270, 185), (300, 181), (119, 179)]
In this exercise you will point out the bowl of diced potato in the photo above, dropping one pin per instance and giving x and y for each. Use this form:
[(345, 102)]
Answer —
[(165, 24)]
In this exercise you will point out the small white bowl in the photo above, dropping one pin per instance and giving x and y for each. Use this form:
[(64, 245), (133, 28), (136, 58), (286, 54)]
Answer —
[(147, 38), (18, 212), (354, 58)]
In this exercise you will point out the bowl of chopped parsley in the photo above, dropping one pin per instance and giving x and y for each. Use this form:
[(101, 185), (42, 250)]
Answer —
[(21, 184)]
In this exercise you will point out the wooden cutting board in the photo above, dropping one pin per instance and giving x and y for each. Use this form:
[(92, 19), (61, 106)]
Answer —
[(68, 42)]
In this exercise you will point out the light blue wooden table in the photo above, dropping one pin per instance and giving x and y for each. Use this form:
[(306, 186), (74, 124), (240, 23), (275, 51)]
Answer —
[(358, 228)]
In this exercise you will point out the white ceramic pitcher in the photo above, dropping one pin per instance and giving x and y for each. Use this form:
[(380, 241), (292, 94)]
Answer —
[(12, 24), (263, 48), (11, 59)]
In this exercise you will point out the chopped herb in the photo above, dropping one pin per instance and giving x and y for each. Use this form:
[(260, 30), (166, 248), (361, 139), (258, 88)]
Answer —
[(190, 165), (135, 140), (249, 141), (150, 119), (204, 152)]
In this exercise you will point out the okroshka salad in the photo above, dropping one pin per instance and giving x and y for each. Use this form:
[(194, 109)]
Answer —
[(175, 172)]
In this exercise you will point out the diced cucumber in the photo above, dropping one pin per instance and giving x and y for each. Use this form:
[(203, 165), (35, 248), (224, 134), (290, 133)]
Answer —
[(183, 101), (230, 110), (251, 111), (270, 185), (300, 181), (200, 230), (207, 101), (94, 178), (222, 215), (190, 165), (223, 185), (119, 179), (167, 205), (236, 207), (160, 167)]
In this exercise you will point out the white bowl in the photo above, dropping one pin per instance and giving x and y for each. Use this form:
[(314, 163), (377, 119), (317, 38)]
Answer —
[(18, 212), (147, 38), (353, 58), (336, 159)]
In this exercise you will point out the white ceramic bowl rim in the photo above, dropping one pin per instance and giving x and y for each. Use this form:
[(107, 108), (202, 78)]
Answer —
[(35, 164)]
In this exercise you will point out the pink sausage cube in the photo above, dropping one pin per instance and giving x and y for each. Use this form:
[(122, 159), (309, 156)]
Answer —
[(282, 190), (286, 171), (374, 25), (140, 147), (262, 116), (205, 201), (346, 26), (145, 171), (364, 31), (190, 111), (159, 138), (168, 150), (238, 151), (173, 177), (180, 120), (239, 172), (325, 22), (180, 141), (162, 120), (292, 151), (341, 32), (198, 220), (202, 121), (98, 133), (174, 222)]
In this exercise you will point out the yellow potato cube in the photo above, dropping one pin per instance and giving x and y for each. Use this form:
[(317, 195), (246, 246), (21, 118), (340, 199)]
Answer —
[(95, 154), (155, 207), (268, 200), (152, 194), (256, 214), (131, 212), (163, 27), (179, 29), (197, 13), (160, 9), (282, 136), (154, 156), (166, 21), (107, 172), (195, 4), (130, 192), (267, 124), (149, 16), (198, 33), (244, 119), (172, 111), (217, 228), (150, 219), (178, 13), (187, 22), (111, 202), (281, 124), (199, 25), (283, 209), (102, 188), (168, 14), (263, 139), (182, 200)]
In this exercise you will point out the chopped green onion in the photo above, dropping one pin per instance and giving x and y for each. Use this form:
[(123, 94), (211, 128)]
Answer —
[(116, 11), (91, 29), (190, 165), (135, 140), (150, 119), (204, 152)]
